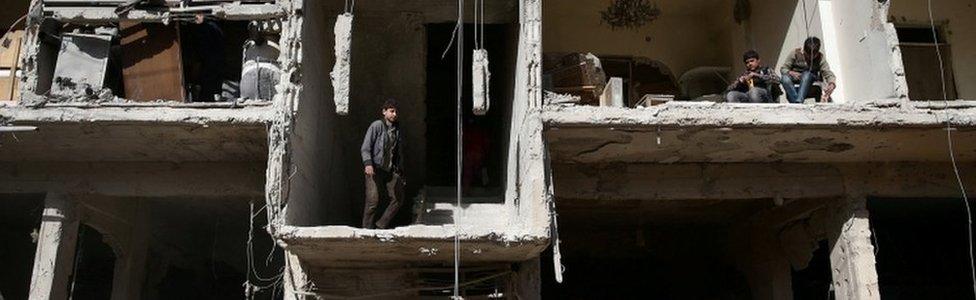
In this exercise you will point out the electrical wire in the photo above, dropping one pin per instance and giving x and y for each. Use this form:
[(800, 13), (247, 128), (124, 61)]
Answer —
[(460, 144), (806, 19), (952, 154), (249, 252), (14, 25)]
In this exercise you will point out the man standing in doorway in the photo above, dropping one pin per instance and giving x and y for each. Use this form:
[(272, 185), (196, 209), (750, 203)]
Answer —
[(382, 153), (756, 85), (804, 66)]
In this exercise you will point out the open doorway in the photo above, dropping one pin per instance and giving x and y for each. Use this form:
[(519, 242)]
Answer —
[(485, 137), (813, 282), (922, 248), (94, 266), (20, 219), (921, 52), (682, 249)]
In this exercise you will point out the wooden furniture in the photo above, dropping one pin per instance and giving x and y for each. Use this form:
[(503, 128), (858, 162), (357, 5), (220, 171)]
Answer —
[(152, 66), (10, 45)]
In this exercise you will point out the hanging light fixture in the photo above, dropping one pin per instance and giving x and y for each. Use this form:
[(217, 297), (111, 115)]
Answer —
[(629, 14)]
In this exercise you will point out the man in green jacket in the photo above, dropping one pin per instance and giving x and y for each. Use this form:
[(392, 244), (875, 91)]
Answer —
[(804, 66)]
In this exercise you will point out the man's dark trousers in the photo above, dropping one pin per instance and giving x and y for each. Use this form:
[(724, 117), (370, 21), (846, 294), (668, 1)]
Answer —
[(383, 184)]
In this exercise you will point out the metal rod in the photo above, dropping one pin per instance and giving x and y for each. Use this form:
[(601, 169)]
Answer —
[(17, 128)]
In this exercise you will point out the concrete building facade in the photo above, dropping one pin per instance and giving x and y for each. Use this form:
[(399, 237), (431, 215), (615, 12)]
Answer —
[(143, 157)]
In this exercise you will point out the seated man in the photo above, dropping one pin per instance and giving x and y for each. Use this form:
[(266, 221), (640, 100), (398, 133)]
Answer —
[(756, 85), (804, 66)]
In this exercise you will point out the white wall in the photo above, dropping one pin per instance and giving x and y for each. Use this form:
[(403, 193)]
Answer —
[(868, 63)]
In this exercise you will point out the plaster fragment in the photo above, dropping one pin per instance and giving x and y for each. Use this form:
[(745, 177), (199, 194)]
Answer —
[(340, 72)]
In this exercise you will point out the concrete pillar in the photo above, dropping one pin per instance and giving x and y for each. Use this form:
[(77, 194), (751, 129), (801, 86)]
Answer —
[(130, 263), (852, 256), (296, 283), (54, 259), (526, 283)]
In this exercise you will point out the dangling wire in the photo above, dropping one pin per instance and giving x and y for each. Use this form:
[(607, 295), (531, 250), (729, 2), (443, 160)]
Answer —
[(806, 19), (350, 5), (479, 24), (460, 144), (482, 23), (952, 154)]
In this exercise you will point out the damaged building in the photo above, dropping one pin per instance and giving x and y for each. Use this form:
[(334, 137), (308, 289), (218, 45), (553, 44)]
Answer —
[(211, 149)]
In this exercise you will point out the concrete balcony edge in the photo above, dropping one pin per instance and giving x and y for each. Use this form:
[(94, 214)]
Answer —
[(321, 245)]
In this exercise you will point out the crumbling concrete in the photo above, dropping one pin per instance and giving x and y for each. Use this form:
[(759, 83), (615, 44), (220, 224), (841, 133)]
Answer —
[(768, 183), (106, 14), (56, 249), (852, 258), (340, 72)]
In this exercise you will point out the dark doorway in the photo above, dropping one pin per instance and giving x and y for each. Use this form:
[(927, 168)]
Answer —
[(20, 219), (920, 51), (813, 282), (648, 250), (94, 266), (922, 248), (208, 249), (485, 136)]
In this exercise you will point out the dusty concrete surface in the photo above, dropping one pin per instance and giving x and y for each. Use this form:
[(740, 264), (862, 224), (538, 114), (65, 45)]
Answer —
[(877, 114), (56, 249), (229, 11), (853, 254), (321, 246), (250, 115), (99, 142)]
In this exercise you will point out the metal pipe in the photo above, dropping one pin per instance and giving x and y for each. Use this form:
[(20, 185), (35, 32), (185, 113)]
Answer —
[(17, 128)]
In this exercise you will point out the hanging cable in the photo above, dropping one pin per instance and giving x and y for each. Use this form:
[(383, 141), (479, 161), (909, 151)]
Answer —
[(482, 24), (460, 144), (952, 154), (806, 19), (250, 288)]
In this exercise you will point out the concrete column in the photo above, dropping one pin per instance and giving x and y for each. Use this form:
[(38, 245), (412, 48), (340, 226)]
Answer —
[(54, 259), (526, 283), (296, 279), (130, 263), (852, 256)]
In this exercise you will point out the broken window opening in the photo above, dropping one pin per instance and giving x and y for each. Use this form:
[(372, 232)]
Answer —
[(204, 60), (815, 280), (921, 61), (921, 248), (94, 266)]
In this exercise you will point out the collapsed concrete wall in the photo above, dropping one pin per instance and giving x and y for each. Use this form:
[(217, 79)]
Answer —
[(870, 61)]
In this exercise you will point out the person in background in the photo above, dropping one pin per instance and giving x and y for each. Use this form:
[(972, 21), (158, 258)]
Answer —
[(805, 66), (382, 154), (758, 84)]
